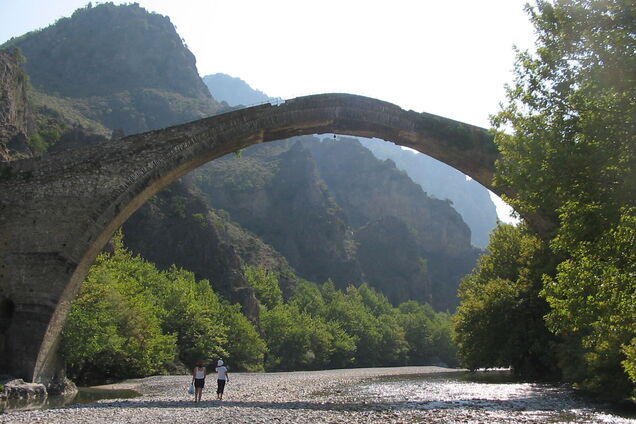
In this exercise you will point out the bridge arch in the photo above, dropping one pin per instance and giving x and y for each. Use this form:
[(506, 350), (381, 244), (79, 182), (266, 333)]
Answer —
[(58, 211)]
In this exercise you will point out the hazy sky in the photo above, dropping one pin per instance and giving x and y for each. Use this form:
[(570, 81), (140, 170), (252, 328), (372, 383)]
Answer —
[(446, 57)]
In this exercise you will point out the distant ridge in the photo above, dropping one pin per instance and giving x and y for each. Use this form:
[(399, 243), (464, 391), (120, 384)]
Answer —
[(234, 91)]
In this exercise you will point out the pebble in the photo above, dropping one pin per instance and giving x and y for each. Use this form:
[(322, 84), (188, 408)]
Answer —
[(330, 396)]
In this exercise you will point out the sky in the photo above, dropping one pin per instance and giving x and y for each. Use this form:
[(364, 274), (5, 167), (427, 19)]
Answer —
[(447, 57)]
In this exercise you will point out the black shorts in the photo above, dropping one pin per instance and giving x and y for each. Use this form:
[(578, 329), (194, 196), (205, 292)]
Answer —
[(199, 382), (221, 386)]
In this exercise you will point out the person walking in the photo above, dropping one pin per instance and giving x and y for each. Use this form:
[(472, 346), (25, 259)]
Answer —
[(198, 379), (221, 379)]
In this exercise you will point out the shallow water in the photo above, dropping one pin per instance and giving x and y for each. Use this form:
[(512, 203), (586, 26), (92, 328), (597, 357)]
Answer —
[(372, 395), (83, 395), (490, 396)]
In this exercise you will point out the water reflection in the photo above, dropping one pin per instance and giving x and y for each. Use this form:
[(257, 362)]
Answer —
[(84, 395), (483, 396)]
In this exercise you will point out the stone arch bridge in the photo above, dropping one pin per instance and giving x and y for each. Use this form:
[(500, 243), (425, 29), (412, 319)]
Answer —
[(58, 211)]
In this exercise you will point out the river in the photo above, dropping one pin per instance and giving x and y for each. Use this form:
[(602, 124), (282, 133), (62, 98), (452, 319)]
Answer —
[(483, 397), (404, 395)]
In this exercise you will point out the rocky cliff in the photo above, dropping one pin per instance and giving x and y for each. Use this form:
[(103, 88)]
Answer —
[(275, 192), (468, 197), (337, 212), (14, 108), (368, 189)]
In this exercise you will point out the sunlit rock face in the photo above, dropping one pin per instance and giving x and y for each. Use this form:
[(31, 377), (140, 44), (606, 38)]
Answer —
[(337, 212)]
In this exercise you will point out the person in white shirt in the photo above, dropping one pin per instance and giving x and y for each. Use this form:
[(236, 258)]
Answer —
[(221, 379), (198, 379)]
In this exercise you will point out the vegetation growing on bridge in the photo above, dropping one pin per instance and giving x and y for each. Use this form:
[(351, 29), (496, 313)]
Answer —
[(571, 155)]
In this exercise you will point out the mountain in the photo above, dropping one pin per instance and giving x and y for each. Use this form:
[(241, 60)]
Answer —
[(108, 48), (379, 199), (118, 66), (274, 191), (234, 91), (337, 212)]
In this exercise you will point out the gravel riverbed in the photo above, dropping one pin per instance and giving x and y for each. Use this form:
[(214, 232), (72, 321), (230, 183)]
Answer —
[(333, 396)]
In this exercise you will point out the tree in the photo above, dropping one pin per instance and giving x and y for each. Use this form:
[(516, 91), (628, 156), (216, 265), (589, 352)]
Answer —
[(571, 112), (245, 347), (593, 299), (193, 312), (287, 337), (114, 327), (308, 298), (569, 155), (265, 284), (499, 322)]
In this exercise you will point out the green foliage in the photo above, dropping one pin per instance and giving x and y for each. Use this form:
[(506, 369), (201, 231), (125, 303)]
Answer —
[(38, 144), (630, 360), (241, 172), (245, 348), (308, 298), (322, 327), (45, 138), (569, 155), (192, 311), (265, 284), (501, 306), (572, 113), (287, 336), (114, 328), (132, 320), (60, 113), (593, 299)]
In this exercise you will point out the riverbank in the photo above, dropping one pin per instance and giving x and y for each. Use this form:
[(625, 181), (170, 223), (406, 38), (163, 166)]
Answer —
[(408, 394), (249, 397)]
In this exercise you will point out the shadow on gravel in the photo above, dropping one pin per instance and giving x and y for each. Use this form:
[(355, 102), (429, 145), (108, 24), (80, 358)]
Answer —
[(485, 404)]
